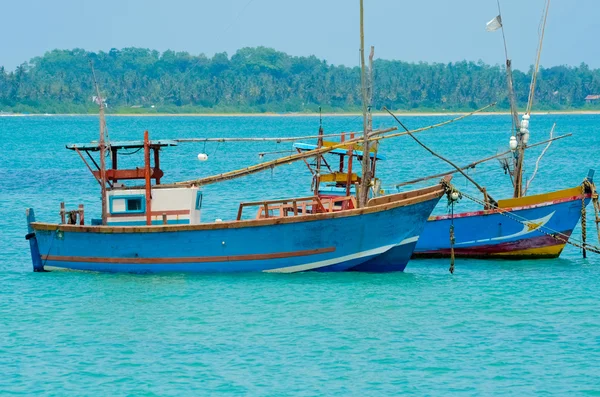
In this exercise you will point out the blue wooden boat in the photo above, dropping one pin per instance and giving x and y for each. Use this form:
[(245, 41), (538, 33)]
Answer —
[(530, 227), (157, 228), (537, 226)]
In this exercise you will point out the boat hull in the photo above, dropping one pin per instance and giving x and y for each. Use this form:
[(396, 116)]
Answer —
[(334, 241), (492, 234)]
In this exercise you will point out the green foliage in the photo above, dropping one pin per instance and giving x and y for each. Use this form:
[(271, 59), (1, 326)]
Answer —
[(137, 80)]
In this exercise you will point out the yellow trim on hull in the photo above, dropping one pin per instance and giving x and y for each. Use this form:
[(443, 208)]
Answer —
[(540, 198), (550, 251)]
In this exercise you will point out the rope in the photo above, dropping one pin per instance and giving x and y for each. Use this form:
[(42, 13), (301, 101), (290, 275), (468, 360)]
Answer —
[(596, 205), (559, 236), (583, 220), (452, 240)]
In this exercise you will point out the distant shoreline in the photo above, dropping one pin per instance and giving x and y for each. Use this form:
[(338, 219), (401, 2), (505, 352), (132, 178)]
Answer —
[(378, 114)]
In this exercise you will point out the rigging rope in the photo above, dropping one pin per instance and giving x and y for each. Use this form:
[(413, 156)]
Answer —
[(559, 236)]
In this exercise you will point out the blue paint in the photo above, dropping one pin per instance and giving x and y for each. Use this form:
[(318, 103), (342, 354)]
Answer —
[(33, 244), (494, 229)]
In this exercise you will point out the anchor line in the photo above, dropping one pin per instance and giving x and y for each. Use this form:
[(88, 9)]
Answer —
[(559, 236)]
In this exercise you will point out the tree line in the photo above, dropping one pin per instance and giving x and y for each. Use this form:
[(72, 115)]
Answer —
[(265, 80)]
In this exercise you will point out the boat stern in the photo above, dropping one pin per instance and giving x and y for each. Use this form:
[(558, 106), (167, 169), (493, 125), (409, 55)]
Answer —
[(36, 258)]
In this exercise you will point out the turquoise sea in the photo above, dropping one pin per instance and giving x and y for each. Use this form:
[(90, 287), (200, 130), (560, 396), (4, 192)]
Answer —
[(492, 328)]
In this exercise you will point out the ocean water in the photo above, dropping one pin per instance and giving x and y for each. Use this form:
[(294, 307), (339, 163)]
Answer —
[(492, 328)]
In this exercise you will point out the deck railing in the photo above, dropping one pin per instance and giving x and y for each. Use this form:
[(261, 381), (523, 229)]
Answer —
[(298, 206)]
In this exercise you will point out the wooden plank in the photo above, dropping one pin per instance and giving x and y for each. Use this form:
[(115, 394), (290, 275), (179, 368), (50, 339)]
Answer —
[(136, 173)]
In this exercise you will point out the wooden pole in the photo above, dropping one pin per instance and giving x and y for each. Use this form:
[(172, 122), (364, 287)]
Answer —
[(157, 162), (63, 218), (518, 191), (102, 147), (364, 187), (147, 178), (318, 159), (475, 163), (350, 155), (375, 136), (81, 220), (374, 144)]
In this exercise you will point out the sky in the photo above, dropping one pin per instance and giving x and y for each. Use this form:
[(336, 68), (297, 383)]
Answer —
[(409, 30)]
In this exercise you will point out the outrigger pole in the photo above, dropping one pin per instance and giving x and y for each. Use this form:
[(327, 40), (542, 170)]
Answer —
[(375, 136), (476, 163), (102, 146)]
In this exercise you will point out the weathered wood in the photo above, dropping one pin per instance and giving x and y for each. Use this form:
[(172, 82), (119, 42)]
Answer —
[(81, 215), (365, 160), (102, 147), (147, 179), (157, 165), (63, 217)]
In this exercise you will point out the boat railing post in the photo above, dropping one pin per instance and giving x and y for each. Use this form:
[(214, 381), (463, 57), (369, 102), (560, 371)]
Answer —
[(62, 213), (164, 218), (80, 210)]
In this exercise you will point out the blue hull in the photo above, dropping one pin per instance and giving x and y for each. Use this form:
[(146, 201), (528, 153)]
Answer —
[(322, 242), (397, 257), (489, 234)]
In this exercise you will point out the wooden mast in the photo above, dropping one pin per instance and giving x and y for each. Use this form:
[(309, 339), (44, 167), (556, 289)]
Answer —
[(147, 179), (365, 182), (523, 136), (102, 147), (319, 156)]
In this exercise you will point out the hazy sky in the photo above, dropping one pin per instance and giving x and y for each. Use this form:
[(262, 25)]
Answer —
[(409, 30)]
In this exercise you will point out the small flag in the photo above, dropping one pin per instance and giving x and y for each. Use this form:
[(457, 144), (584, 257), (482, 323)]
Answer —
[(494, 24)]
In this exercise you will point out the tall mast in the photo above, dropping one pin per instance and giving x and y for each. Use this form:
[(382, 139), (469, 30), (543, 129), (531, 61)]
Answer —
[(509, 78), (523, 136), (366, 177), (102, 146)]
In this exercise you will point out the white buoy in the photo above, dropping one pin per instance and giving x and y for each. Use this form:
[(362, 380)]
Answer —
[(513, 143), (202, 156), (454, 196), (218, 220)]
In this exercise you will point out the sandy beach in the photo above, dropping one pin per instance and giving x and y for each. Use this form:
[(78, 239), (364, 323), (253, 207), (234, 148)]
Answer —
[(378, 114)]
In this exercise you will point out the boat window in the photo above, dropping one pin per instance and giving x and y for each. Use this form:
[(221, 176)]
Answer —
[(127, 204), (134, 204)]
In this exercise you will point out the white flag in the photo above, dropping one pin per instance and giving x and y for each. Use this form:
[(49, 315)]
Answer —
[(494, 24)]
